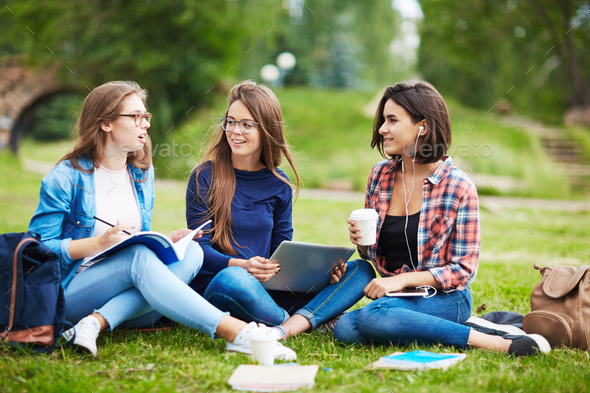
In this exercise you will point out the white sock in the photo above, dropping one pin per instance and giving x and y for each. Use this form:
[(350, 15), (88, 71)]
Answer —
[(94, 321)]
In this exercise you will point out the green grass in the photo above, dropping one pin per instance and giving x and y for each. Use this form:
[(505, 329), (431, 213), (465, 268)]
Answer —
[(331, 137), (50, 152), (185, 360)]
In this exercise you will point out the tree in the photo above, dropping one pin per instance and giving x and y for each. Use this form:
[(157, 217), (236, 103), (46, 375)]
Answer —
[(337, 43), (177, 49), (533, 52)]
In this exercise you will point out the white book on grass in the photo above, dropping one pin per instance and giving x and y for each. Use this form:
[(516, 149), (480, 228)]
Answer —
[(165, 249), (273, 378), (418, 360)]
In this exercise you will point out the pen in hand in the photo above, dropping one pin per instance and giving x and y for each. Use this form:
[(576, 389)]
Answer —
[(108, 223)]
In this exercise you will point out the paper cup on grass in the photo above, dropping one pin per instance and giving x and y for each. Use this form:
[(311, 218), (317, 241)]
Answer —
[(366, 221), (263, 341)]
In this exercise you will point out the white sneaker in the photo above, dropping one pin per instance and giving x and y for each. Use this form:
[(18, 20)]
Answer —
[(83, 335), (242, 344), (280, 331)]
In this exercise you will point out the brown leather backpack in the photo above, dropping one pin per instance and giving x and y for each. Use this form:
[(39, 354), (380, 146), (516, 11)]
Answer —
[(560, 306)]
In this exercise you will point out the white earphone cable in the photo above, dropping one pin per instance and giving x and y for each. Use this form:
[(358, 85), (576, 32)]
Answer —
[(407, 201)]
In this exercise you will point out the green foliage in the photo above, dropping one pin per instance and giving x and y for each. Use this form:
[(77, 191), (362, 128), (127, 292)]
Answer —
[(337, 43), (181, 49), (532, 53), (178, 50), (55, 120)]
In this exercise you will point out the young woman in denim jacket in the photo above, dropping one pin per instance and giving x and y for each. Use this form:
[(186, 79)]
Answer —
[(428, 234), (109, 175), (239, 186)]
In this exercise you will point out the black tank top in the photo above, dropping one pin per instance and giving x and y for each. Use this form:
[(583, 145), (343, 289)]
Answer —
[(392, 241)]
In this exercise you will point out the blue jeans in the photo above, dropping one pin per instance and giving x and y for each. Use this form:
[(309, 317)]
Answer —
[(237, 291), (134, 286), (407, 320)]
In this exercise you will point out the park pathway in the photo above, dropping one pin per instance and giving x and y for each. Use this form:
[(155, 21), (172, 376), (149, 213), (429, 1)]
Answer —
[(495, 204)]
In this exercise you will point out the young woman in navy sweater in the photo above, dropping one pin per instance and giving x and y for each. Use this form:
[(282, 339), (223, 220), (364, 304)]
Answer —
[(238, 184)]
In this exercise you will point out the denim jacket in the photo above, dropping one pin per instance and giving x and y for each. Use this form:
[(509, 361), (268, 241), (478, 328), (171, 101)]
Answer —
[(66, 207)]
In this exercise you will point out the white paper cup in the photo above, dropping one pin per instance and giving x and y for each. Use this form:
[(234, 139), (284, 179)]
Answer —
[(263, 341), (366, 221)]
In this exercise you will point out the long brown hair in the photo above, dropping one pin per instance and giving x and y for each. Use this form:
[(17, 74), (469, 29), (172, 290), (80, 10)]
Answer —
[(102, 105), (266, 110), (422, 102)]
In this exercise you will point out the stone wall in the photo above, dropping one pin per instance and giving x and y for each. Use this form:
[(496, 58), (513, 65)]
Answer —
[(20, 86)]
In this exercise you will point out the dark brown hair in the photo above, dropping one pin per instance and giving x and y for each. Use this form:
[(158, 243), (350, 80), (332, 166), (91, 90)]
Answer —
[(422, 102), (264, 106), (102, 105)]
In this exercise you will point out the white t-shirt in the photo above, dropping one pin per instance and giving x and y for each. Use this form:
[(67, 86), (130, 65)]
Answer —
[(115, 200)]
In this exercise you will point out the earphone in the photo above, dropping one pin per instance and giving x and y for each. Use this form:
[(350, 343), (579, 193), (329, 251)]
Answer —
[(407, 202)]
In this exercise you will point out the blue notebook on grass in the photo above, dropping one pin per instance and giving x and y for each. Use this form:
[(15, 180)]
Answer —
[(418, 360)]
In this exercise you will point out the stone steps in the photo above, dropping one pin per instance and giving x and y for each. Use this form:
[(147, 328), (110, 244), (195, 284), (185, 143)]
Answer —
[(569, 157)]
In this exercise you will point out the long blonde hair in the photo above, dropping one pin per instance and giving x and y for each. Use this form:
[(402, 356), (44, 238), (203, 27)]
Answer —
[(266, 110), (101, 105)]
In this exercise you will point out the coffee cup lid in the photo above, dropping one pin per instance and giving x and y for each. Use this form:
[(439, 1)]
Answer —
[(363, 214)]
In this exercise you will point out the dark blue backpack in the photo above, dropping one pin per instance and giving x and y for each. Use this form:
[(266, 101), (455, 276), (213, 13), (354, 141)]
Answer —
[(32, 303)]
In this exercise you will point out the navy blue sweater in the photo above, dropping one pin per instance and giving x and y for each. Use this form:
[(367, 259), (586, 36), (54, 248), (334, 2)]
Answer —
[(261, 216)]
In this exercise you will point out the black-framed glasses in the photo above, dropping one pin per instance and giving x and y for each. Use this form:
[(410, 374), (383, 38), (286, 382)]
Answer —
[(247, 126), (139, 117)]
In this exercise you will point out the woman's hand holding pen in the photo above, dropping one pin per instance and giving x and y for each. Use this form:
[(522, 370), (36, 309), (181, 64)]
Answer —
[(82, 248), (112, 236)]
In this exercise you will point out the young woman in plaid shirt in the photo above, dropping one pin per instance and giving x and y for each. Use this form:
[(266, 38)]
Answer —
[(428, 234)]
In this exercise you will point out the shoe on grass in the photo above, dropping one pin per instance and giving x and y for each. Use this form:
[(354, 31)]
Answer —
[(83, 335), (328, 326), (242, 344), (487, 327), (527, 345)]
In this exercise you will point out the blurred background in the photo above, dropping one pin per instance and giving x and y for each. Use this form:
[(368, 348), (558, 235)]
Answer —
[(515, 74)]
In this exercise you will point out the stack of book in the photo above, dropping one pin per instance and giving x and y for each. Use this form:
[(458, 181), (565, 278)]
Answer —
[(272, 378)]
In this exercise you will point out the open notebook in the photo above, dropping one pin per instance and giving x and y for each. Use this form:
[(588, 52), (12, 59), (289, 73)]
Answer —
[(165, 249)]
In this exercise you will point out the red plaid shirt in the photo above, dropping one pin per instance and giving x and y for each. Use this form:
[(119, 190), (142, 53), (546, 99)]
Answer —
[(448, 232)]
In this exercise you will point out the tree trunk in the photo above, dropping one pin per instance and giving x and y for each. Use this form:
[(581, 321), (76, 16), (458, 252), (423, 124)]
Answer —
[(579, 99), (563, 77)]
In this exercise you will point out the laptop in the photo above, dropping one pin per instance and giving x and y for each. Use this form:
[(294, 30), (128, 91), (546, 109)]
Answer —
[(305, 267)]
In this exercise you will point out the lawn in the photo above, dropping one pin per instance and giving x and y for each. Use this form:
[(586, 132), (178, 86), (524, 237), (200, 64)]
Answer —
[(185, 360)]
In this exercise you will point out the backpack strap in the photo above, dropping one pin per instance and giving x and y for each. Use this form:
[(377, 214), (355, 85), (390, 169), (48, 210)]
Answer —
[(562, 280), (15, 259)]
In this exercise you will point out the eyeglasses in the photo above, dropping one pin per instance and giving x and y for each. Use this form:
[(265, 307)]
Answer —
[(139, 117), (247, 126)]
